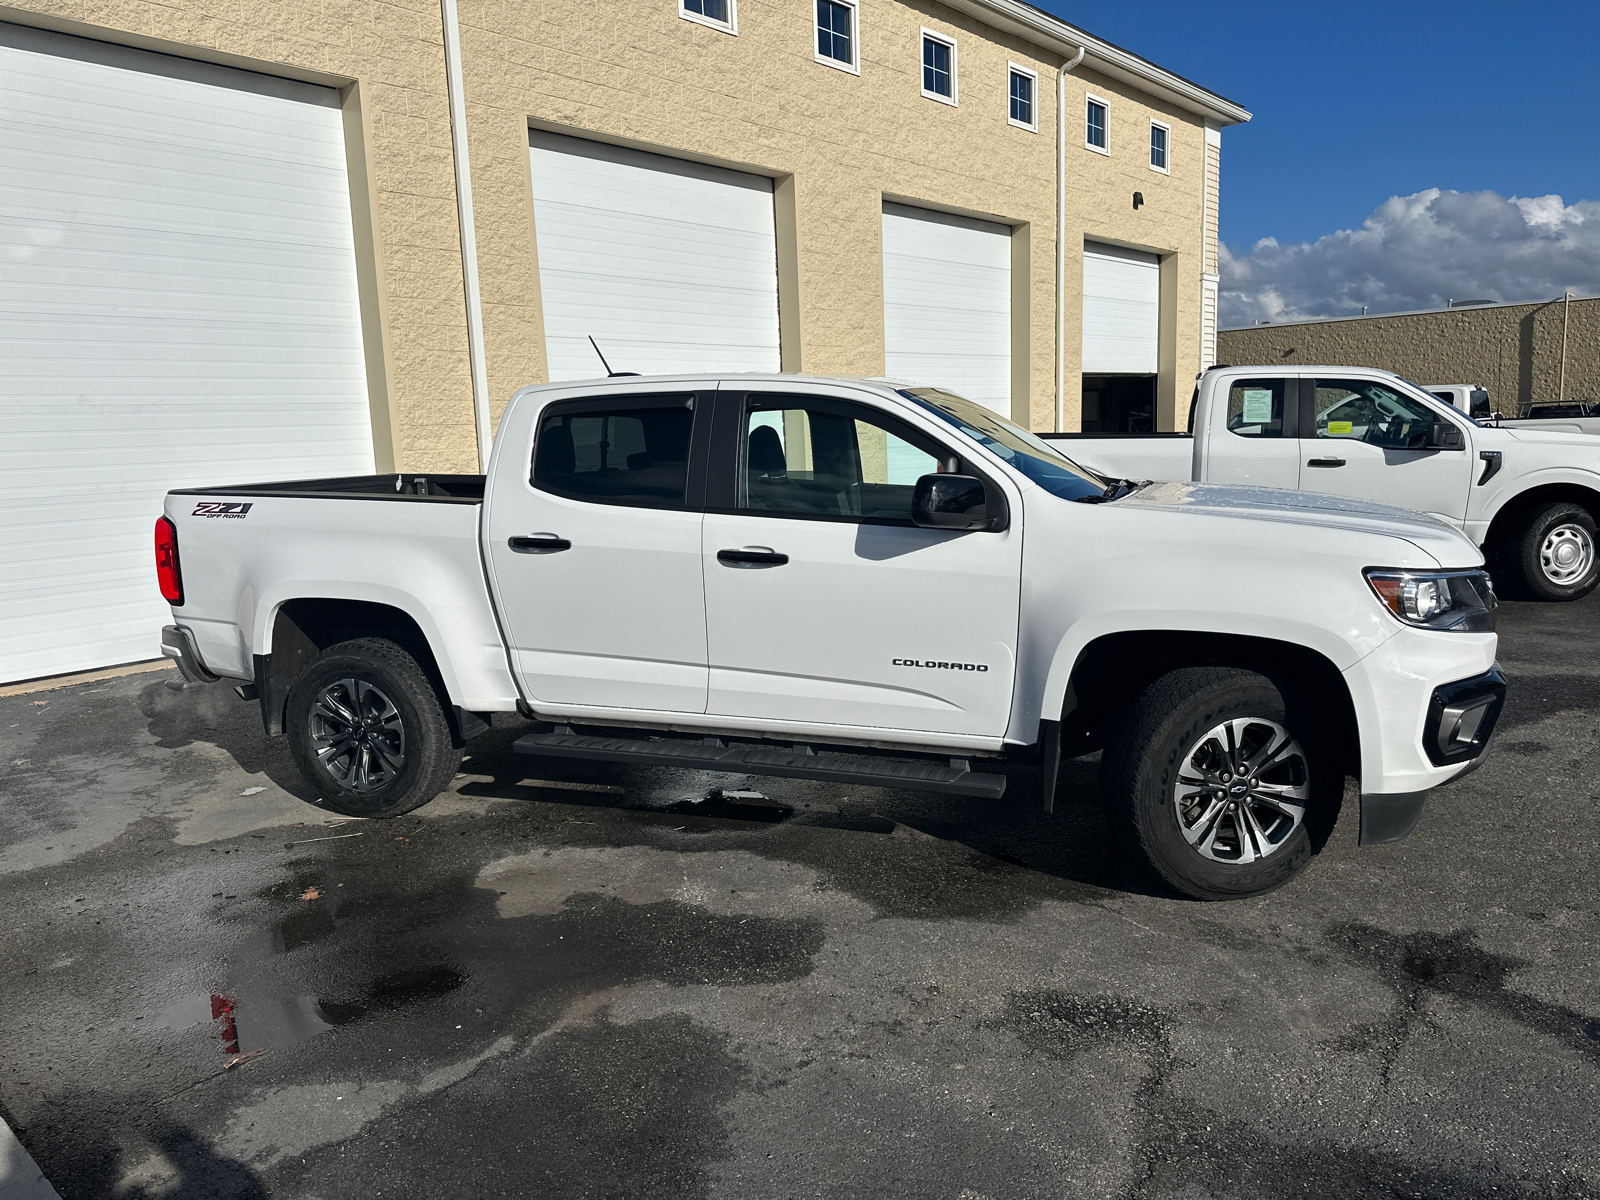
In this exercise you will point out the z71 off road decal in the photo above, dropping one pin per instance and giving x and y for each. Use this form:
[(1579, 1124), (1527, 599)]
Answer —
[(221, 508)]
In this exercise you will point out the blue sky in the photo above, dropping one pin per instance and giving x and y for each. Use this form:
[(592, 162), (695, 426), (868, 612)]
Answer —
[(1359, 102)]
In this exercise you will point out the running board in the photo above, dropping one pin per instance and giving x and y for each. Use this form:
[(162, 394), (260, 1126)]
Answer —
[(714, 754)]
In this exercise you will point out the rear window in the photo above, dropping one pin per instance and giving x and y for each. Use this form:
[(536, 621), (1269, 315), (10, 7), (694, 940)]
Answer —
[(632, 455)]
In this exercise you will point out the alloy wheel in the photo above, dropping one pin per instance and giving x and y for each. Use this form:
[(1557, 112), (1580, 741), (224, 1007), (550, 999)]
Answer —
[(1242, 790), (358, 735)]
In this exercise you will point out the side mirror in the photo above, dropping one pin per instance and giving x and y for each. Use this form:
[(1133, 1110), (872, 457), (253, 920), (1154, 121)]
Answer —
[(1444, 436), (955, 502)]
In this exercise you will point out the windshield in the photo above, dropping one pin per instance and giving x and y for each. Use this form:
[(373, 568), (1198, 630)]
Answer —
[(1439, 399), (1028, 454)]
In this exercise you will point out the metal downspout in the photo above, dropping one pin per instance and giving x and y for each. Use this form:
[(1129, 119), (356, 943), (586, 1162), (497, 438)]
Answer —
[(1061, 237), (469, 238)]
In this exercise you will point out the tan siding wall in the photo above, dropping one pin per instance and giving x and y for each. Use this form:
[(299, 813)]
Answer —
[(633, 71), (1514, 351)]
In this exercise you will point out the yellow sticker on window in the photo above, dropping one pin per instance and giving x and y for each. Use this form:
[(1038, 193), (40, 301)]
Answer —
[(1338, 427)]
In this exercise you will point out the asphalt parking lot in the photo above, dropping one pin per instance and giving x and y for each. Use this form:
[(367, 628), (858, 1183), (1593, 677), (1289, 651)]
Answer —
[(570, 979)]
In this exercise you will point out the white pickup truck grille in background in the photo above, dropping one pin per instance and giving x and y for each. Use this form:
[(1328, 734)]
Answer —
[(178, 307)]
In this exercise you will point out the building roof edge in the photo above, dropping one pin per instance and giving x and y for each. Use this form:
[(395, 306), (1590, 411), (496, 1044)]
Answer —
[(1405, 312), (1039, 26)]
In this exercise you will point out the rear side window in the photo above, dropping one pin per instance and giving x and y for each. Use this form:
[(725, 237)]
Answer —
[(636, 454), (1255, 407)]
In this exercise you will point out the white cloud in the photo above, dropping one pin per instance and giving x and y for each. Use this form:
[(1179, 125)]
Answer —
[(1419, 252)]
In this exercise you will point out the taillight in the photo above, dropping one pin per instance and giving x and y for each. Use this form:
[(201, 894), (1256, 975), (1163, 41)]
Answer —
[(167, 573)]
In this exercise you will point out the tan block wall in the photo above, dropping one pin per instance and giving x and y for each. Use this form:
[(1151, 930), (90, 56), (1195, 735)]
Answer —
[(633, 71), (1514, 351)]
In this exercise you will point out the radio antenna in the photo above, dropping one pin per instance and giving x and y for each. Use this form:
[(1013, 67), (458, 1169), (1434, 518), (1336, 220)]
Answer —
[(610, 374)]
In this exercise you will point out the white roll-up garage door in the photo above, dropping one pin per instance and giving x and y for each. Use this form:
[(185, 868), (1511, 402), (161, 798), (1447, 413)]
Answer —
[(947, 303), (178, 307), (1121, 311), (669, 265)]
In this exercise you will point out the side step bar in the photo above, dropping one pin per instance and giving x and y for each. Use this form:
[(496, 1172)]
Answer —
[(714, 754)]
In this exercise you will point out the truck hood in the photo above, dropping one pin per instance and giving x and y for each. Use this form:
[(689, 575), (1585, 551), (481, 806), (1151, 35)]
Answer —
[(1584, 442), (1439, 540)]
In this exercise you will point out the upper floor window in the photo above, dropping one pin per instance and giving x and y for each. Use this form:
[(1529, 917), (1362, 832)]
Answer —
[(719, 14), (1023, 86), (1094, 134), (1160, 137), (836, 34), (938, 67)]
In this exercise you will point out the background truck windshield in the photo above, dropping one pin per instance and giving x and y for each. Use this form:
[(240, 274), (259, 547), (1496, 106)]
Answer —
[(1032, 457)]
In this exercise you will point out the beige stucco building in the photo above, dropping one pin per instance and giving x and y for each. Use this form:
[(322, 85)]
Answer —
[(1540, 353), (310, 238)]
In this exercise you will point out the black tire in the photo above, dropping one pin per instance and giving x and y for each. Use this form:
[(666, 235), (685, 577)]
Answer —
[(398, 754), (1256, 846), (1549, 533)]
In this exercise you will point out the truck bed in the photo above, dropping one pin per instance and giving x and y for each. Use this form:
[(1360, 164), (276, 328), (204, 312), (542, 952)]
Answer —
[(450, 489), (1130, 455)]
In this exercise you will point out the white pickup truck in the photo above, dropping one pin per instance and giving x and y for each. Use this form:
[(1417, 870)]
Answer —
[(1530, 496), (1473, 399), (846, 580)]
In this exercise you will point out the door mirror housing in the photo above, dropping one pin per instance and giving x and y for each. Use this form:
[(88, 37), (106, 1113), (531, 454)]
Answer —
[(1444, 436), (955, 502)]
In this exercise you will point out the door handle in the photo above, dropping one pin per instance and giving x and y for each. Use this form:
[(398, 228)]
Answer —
[(751, 558), (1324, 462), (539, 543)]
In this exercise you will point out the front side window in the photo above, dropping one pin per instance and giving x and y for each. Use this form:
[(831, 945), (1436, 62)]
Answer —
[(836, 33), (1366, 411), (1159, 134), (831, 460), (1095, 124), (1022, 89), (1256, 406), (938, 67), (1026, 454), (717, 13), (635, 454)]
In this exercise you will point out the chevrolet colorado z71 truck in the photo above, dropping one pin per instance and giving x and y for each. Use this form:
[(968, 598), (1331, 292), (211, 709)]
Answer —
[(1530, 496), (847, 580)]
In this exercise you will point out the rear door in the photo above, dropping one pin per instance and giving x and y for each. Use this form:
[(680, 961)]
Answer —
[(594, 547), (1252, 430), (824, 603), (1365, 438)]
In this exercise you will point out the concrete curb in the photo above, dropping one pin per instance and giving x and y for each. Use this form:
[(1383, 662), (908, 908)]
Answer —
[(20, 1177), (29, 686)]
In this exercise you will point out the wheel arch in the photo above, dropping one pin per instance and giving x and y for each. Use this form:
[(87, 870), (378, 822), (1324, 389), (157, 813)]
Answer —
[(303, 627), (1111, 671), (1508, 518)]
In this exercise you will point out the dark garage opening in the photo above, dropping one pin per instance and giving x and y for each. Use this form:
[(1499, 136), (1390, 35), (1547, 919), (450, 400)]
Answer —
[(1119, 404)]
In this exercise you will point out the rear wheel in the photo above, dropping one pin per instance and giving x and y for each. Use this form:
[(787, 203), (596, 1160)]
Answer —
[(1218, 785), (1555, 552), (368, 730)]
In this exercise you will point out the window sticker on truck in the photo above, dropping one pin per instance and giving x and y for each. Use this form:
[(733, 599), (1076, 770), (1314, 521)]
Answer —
[(941, 666), (235, 509)]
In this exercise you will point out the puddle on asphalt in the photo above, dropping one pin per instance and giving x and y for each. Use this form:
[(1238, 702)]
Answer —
[(391, 992), (728, 805)]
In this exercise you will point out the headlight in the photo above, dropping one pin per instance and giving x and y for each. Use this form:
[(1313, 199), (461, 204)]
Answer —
[(1456, 601)]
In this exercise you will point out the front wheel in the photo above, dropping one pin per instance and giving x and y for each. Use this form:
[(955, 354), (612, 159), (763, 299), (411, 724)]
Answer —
[(368, 730), (1217, 786), (1556, 552)]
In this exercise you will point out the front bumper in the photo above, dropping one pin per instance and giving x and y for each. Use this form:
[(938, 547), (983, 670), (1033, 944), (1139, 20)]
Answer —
[(1460, 720), (177, 643)]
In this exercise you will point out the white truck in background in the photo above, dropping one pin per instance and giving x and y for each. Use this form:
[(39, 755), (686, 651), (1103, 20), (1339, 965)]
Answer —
[(1529, 495), (1473, 399), (846, 580)]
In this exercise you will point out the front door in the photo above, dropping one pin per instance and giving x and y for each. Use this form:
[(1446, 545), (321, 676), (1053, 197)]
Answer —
[(1255, 441), (824, 603), (1363, 438), (595, 556)]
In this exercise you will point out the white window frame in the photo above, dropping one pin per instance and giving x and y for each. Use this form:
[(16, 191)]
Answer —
[(1162, 125), (953, 99), (731, 25), (1088, 99), (855, 39), (1019, 69)]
